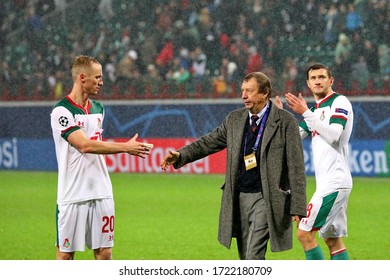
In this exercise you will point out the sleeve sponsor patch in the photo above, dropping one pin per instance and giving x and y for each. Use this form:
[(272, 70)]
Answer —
[(342, 111)]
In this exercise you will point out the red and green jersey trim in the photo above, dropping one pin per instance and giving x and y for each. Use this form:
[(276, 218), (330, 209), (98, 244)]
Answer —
[(327, 102), (94, 107)]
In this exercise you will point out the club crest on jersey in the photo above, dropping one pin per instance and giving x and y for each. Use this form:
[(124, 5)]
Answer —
[(100, 123), (63, 121), (322, 117)]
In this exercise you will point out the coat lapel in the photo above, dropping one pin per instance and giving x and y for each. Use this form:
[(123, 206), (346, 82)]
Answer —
[(238, 131), (238, 126), (270, 127)]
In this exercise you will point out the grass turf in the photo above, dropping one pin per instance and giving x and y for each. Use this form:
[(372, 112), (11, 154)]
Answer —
[(170, 217)]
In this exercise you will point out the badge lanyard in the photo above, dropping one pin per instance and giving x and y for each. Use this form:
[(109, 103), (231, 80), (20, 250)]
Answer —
[(261, 129)]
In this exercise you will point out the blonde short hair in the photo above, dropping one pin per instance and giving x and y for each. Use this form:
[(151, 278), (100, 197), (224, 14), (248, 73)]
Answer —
[(82, 63)]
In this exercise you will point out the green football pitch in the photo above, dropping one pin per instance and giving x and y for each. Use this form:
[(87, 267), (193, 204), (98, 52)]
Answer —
[(170, 217)]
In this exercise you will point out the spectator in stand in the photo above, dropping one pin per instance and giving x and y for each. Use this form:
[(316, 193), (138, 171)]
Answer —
[(5, 74), (341, 19), (164, 17), (110, 71), (125, 70), (384, 60), (330, 18), (181, 76), (198, 68), (105, 10), (272, 55), (311, 20), (44, 7), (380, 20), (357, 45), (199, 62), (35, 28), (250, 37), (165, 57), (58, 85), (137, 85), (184, 57), (342, 61), (153, 81), (289, 75), (148, 48), (238, 52), (219, 85), (353, 19), (255, 61), (263, 30), (224, 41), (370, 52), (232, 72), (360, 74), (61, 5)]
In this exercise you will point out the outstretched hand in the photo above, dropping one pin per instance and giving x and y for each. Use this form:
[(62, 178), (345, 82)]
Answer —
[(138, 148), (169, 159)]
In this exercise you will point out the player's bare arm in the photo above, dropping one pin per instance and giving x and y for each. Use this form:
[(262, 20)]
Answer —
[(79, 140)]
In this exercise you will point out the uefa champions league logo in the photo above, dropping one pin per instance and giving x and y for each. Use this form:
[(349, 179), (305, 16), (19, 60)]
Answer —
[(63, 121)]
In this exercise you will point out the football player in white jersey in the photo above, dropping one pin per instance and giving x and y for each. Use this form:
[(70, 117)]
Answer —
[(85, 205), (329, 124)]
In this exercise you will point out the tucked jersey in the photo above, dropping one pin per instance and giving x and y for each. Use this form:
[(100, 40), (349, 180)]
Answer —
[(332, 115), (81, 177)]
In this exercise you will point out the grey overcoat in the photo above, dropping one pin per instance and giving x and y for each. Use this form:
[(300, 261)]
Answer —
[(281, 167)]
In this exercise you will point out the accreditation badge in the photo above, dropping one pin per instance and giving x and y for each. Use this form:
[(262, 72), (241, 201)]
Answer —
[(250, 161)]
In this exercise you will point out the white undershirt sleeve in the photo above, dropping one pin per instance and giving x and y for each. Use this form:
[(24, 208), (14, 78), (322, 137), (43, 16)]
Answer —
[(331, 133)]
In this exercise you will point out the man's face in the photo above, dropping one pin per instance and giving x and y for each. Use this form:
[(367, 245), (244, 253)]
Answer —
[(254, 101), (93, 79), (319, 83)]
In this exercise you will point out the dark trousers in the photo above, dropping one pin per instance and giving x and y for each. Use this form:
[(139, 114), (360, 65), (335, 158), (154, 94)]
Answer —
[(253, 240)]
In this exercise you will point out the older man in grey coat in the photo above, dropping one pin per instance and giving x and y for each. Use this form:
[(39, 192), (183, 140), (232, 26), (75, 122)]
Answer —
[(265, 185)]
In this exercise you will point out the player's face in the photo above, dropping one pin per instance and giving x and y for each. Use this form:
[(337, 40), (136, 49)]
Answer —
[(254, 101), (93, 80), (320, 83)]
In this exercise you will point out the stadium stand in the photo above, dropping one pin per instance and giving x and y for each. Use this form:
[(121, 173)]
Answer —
[(192, 49)]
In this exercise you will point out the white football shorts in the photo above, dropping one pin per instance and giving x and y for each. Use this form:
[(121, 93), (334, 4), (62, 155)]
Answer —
[(89, 223), (327, 214)]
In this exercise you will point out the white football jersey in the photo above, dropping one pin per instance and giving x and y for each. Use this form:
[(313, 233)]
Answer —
[(330, 126), (81, 176)]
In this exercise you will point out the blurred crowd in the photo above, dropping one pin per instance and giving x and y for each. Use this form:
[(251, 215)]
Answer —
[(150, 46)]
